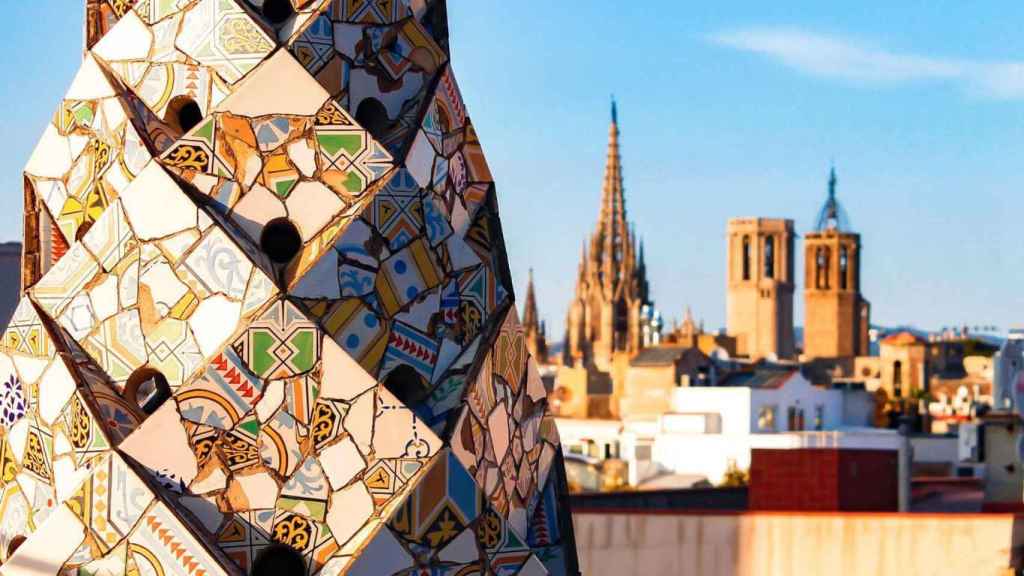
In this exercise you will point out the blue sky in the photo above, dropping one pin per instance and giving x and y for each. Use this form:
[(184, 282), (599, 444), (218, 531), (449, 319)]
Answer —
[(727, 109)]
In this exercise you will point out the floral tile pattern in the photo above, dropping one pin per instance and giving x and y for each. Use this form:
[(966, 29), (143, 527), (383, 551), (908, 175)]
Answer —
[(268, 304)]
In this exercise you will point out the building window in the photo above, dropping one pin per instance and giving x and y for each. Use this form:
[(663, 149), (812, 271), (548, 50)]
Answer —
[(795, 419), (822, 258), (844, 264), (769, 257), (790, 261), (766, 419), (642, 453), (897, 379), (746, 257), (819, 417)]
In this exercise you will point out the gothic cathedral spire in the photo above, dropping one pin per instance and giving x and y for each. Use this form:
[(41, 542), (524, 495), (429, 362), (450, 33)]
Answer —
[(533, 328), (611, 290)]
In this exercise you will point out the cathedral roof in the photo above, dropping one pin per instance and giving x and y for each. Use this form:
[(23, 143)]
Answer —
[(660, 355)]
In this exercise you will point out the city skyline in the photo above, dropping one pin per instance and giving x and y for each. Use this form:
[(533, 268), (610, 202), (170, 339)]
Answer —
[(726, 112)]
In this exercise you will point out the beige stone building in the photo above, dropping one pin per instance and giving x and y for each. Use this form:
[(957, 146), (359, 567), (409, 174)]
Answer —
[(692, 335), (655, 373), (760, 285), (836, 317)]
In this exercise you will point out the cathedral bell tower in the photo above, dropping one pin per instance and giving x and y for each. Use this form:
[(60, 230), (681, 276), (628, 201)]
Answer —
[(760, 286), (836, 317)]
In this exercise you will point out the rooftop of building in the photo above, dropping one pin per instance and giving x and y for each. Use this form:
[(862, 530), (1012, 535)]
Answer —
[(660, 355), (903, 338), (765, 378)]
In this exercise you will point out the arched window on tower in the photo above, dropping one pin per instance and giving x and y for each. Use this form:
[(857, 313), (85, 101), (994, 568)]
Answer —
[(897, 379), (819, 267), (746, 257), (844, 264), (620, 327), (769, 257)]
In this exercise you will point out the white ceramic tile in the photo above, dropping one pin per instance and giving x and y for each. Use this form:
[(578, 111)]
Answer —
[(273, 396), (253, 492), (155, 206), (359, 421), (396, 428), (90, 83), (163, 285), (104, 298), (320, 281), (55, 389), (29, 368), (350, 509), (311, 205), (129, 39), (346, 37), (303, 156), (462, 256), (518, 521), (461, 550), (343, 377), (257, 207), (17, 435), (384, 555), (176, 246), (78, 318), (336, 566), (420, 161), (67, 477), (51, 157), (215, 479), (164, 429), (49, 547), (114, 113), (213, 322), (61, 444), (533, 567), (341, 462), (280, 85)]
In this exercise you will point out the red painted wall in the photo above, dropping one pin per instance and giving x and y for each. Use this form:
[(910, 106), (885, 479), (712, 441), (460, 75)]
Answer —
[(824, 479)]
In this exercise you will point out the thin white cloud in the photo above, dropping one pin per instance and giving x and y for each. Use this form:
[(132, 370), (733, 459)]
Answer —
[(854, 61)]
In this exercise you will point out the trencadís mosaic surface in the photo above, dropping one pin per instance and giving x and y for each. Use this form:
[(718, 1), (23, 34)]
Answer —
[(267, 324)]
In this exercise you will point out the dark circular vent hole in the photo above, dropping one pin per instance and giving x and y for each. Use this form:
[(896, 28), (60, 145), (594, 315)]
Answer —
[(278, 560), (148, 388), (372, 116), (184, 113), (277, 11), (280, 240), (15, 543), (406, 384)]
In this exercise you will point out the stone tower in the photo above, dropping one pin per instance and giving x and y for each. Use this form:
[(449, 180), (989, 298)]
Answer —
[(533, 327), (836, 319), (760, 286), (268, 324), (611, 286)]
